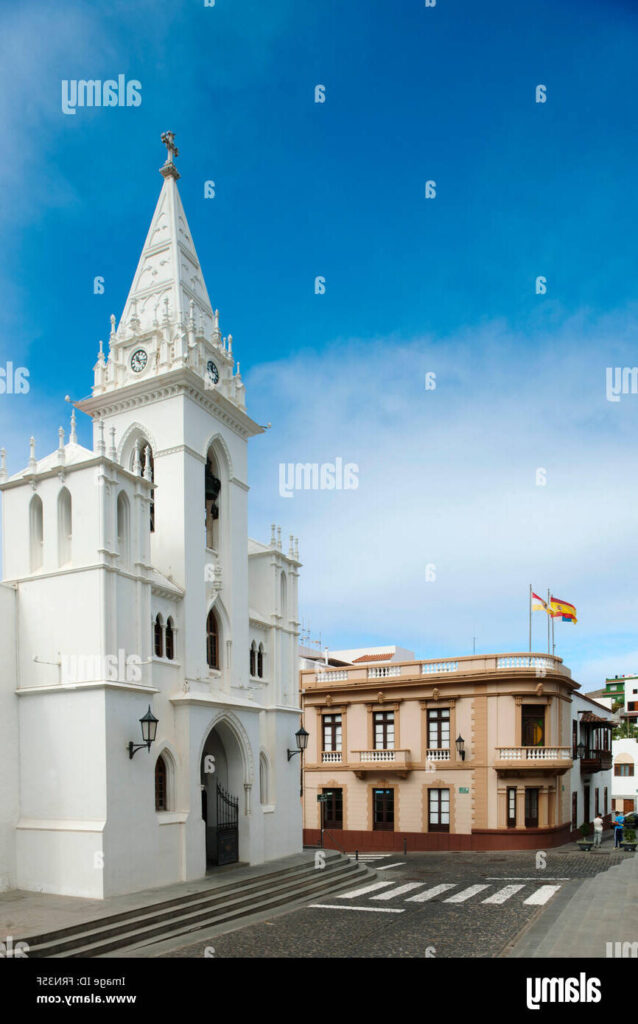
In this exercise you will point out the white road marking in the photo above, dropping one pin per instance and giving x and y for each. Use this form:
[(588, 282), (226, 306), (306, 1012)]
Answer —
[(503, 894), (460, 897), (386, 866), (366, 888), (542, 895), (378, 910), (521, 878), (429, 894), (408, 887)]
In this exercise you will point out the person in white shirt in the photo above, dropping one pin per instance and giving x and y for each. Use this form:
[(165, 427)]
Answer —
[(598, 830)]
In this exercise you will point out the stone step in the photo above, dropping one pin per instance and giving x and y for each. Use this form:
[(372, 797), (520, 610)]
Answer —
[(207, 908), (244, 884)]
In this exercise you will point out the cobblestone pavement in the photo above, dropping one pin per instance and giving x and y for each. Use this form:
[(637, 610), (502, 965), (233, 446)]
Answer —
[(425, 905)]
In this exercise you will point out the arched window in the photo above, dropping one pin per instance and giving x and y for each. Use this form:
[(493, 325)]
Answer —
[(158, 637), (161, 785), (141, 446), (283, 599), (170, 640), (36, 530), (123, 533), (260, 662), (212, 640), (64, 527), (263, 779), (253, 658), (212, 488)]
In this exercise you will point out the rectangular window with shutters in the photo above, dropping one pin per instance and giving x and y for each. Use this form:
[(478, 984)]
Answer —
[(624, 770), (438, 810), (439, 729), (384, 730), (511, 806), (331, 732)]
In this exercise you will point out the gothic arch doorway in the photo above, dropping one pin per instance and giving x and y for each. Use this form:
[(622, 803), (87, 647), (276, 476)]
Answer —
[(222, 775)]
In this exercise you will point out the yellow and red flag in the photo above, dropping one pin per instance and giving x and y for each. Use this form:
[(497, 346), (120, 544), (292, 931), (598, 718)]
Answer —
[(562, 610), (538, 605)]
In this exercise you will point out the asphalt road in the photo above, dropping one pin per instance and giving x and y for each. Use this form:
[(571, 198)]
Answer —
[(422, 906)]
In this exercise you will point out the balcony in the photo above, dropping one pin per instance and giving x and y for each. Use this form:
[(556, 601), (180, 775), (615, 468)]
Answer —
[(594, 760), (437, 754), (364, 761), (515, 761), (331, 757)]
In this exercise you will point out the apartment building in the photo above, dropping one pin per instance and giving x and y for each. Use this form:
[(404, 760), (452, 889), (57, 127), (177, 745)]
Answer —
[(479, 752)]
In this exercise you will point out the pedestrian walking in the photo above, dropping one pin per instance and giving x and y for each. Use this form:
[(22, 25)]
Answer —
[(618, 827), (598, 830)]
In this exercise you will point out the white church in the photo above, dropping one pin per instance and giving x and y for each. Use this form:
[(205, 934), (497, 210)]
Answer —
[(148, 684)]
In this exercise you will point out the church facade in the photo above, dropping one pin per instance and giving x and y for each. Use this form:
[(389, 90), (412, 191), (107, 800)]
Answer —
[(130, 584)]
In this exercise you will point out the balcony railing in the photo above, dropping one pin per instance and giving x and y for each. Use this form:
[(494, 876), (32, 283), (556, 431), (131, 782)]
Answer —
[(331, 757), (384, 757), (595, 760), (534, 753), (437, 754), (383, 671), (414, 671)]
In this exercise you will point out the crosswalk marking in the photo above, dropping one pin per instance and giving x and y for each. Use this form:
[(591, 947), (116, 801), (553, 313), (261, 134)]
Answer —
[(541, 895), (342, 906), (503, 894), (429, 894), (391, 893), (366, 888), (386, 867), (460, 897)]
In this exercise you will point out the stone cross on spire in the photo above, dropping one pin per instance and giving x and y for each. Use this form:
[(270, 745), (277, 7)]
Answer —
[(169, 168)]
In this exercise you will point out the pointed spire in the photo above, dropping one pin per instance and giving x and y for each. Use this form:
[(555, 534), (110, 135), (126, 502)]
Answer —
[(169, 170), (100, 355), (147, 463), (73, 437), (279, 538), (273, 539), (296, 549), (33, 465), (137, 463), (61, 445), (291, 548), (112, 448), (112, 335), (101, 447), (3, 465)]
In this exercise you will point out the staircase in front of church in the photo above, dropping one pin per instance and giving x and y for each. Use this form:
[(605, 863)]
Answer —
[(224, 903)]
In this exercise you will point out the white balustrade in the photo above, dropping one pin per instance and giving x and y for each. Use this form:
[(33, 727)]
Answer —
[(533, 753), (437, 754), (331, 757), (429, 667), (522, 661), (331, 677), (383, 671)]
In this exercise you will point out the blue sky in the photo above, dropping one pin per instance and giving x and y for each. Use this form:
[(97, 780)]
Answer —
[(446, 477)]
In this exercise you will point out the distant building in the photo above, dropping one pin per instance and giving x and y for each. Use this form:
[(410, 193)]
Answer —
[(615, 686), (623, 790)]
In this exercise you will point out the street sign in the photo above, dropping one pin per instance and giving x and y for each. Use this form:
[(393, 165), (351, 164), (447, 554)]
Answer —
[(464, 789)]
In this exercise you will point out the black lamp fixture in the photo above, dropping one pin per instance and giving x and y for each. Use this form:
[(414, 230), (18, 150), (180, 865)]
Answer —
[(460, 747), (302, 742), (580, 749), (148, 723)]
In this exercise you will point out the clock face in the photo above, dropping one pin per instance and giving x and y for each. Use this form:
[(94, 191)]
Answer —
[(139, 360), (213, 372)]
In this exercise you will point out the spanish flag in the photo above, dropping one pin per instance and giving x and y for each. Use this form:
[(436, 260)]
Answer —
[(562, 610), (538, 605)]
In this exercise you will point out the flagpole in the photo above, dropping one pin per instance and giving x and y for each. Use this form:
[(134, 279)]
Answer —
[(530, 618), (553, 644), (548, 618)]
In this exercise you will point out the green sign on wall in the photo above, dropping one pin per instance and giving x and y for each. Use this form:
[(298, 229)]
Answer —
[(464, 789)]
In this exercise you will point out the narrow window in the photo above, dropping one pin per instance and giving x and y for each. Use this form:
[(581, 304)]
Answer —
[(511, 806), (170, 640), (36, 523), (253, 659), (161, 802), (212, 640), (263, 780), (260, 662), (158, 637), (283, 598), (123, 542), (64, 527), (145, 449), (212, 488)]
